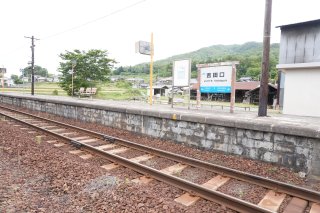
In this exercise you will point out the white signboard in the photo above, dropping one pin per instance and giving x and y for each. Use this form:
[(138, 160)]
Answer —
[(181, 73), (216, 79)]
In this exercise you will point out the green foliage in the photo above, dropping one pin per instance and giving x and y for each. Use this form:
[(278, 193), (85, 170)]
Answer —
[(55, 92), (133, 93), (118, 71), (38, 70), (249, 55), (91, 66), (123, 84), (16, 79)]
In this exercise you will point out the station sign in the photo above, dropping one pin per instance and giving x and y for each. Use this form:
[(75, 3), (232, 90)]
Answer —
[(215, 79)]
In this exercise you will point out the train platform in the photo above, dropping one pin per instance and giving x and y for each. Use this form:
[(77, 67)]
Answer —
[(298, 125)]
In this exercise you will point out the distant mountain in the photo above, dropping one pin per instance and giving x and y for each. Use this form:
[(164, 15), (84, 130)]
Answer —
[(249, 54)]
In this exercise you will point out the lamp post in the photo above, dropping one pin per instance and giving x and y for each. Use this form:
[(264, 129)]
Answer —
[(74, 63)]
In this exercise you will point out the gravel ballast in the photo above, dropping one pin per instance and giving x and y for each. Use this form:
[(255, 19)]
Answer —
[(41, 177), (38, 177)]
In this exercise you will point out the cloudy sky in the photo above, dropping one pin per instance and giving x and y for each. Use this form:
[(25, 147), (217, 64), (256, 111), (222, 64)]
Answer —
[(179, 26)]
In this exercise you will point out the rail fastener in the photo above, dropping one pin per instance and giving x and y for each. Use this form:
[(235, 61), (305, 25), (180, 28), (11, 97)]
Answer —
[(109, 138), (76, 144)]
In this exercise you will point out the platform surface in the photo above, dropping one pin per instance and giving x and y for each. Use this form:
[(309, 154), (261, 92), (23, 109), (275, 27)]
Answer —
[(274, 122)]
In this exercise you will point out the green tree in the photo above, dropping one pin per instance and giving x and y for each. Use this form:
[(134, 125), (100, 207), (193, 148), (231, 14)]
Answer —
[(90, 66), (16, 79), (248, 54), (38, 70), (118, 71), (254, 72)]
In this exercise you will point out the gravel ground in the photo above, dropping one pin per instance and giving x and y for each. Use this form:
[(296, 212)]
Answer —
[(131, 153), (243, 191), (158, 163), (97, 160), (37, 177), (196, 175)]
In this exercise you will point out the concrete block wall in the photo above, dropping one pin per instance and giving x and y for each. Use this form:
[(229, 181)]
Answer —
[(291, 151), (296, 149)]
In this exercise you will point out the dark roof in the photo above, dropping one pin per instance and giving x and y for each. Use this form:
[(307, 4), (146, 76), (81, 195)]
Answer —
[(270, 85), (312, 22), (247, 85)]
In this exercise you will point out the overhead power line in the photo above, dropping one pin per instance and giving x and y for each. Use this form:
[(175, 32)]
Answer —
[(95, 20)]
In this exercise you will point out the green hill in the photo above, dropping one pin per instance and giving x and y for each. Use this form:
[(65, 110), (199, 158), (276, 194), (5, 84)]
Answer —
[(249, 54)]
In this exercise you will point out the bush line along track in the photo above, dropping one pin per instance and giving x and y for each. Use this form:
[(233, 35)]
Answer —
[(195, 189)]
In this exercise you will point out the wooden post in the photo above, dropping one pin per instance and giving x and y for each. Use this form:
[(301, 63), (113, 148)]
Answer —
[(264, 87), (72, 70), (233, 90), (190, 64), (2, 72), (151, 68), (198, 89), (172, 95), (189, 97), (278, 90)]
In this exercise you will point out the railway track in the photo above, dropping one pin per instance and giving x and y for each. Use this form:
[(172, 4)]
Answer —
[(112, 146)]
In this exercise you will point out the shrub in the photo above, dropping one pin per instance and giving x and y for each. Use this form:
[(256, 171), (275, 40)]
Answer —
[(123, 84), (133, 92), (55, 92)]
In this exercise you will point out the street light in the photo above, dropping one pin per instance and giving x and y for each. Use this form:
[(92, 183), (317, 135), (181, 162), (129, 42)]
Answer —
[(74, 63)]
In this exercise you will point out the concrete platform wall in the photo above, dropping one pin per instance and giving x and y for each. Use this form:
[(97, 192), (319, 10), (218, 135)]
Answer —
[(296, 149)]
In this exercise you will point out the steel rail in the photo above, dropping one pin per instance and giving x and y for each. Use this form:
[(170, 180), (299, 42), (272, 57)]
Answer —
[(277, 186), (195, 189)]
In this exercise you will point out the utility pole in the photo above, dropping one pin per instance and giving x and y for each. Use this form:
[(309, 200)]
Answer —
[(32, 62), (264, 87)]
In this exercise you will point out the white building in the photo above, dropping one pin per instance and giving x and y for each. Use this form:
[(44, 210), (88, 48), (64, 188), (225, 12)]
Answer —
[(7, 82), (56, 78), (25, 79), (299, 64)]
